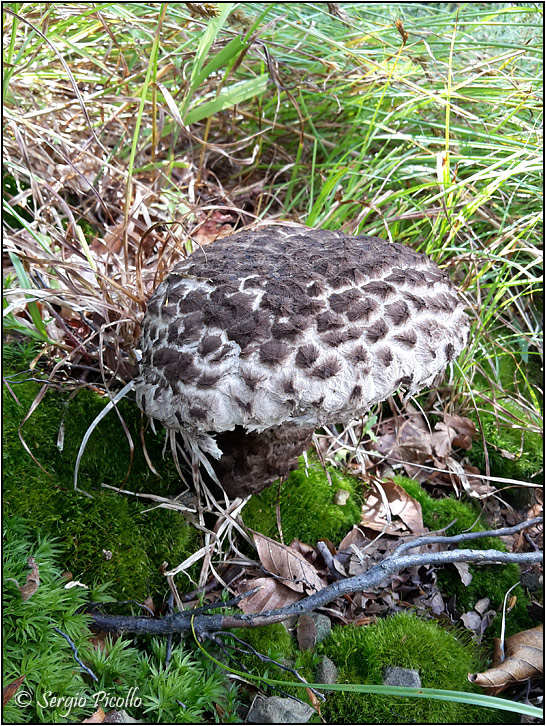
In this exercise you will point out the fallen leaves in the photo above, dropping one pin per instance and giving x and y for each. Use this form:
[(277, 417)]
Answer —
[(306, 632), (478, 619), (292, 576), (271, 595), (288, 564), (392, 500), (524, 660), (409, 440)]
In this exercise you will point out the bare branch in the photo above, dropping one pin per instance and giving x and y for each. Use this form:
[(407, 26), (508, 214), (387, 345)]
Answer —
[(375, 576)]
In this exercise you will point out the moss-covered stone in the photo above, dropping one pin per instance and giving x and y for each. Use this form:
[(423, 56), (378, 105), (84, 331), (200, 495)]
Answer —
[(308, 509)]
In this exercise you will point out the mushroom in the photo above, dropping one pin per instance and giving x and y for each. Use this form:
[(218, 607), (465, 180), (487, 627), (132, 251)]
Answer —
[(251, 344)]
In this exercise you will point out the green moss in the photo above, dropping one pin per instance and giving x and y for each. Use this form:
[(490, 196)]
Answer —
[(438, 513), (308, 511), (32, 647), (443, 659), (86, 527), (442, 656), (272, 640), (492, 581)]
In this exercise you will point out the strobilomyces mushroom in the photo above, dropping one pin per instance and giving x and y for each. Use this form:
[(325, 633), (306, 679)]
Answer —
[(252, 343)]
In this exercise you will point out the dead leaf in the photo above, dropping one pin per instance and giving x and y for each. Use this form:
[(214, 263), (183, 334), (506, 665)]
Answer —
[(435, 602), (272, 595), (11, 689), (482, 605), (524, 659), (401, 504), (463, 568), (33, 580), (472, 620), (354, 538), (149, 604), (97, 717), (286, 562), (306, 632)]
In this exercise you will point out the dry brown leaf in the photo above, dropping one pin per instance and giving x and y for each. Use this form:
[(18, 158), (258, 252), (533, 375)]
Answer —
[(306, 632), (271, 595), (463, 426), (482, 605), (11, 689), (355, 537), (97, 717), (524, 659), (286, 562), (33, 580), (414, 443), (149, 603), (471, 620), (374, 514), (304, 549)]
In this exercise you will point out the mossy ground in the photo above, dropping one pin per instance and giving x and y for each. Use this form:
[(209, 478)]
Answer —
[(308, 510), (87, 529), (442, 656), (443, 659), (84, 527), (32, 646)]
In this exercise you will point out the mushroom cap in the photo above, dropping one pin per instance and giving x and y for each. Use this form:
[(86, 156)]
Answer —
[(282, 325)]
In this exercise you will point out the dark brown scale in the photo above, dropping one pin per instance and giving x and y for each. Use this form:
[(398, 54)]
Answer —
[(381, 290), (327, 321), (306, 356), (377, 331), (273, 352), (209, 344), (362, 310)]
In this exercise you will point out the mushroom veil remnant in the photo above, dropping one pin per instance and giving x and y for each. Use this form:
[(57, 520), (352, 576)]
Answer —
[(252, 343)]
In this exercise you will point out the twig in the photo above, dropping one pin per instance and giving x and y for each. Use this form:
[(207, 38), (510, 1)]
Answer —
[(465, 536), (375, 576), (266, 659), (76, 656)]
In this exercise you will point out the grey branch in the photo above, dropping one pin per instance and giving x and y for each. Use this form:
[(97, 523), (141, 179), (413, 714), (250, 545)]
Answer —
[(374, 577)]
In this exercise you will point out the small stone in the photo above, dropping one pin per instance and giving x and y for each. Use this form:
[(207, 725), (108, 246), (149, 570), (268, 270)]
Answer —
[(323, 625), (532, 580), (407, 677), (278, 710), (326, 671), (119, 717), (341, 497)]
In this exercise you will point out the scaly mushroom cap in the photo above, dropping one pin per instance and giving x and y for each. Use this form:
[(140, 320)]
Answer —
[(296, 326)]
